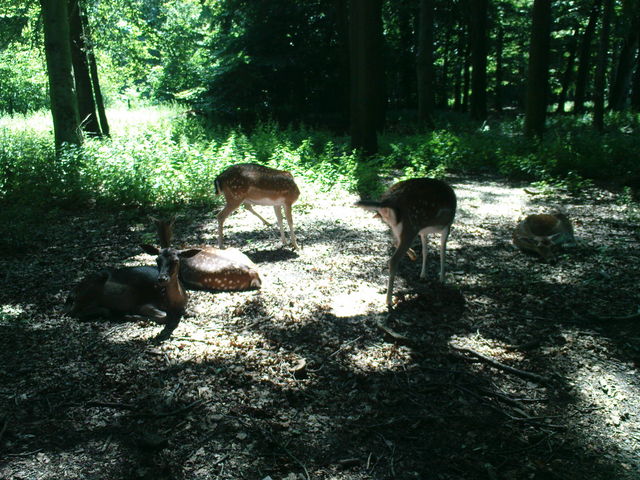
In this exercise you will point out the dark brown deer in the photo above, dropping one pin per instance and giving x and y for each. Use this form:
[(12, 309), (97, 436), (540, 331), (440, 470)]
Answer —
[(135, 292), (415, 207), (252, 184), (212, 268), (544, 234)]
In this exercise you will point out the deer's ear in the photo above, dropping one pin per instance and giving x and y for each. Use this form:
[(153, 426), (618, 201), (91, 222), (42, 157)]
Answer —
[(189, 253), (150, 249)]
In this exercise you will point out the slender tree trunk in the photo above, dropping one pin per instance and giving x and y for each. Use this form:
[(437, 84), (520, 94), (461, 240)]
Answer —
[(93, 69), (466, 80), (584, 58), (635, 89), (84, 90), (565, 81), (538, 79), (367, 87), (424, 63), (57, 45), (499, 104), (342, 17), (619, 91), (459, 70), (478, 38), (601, 67)]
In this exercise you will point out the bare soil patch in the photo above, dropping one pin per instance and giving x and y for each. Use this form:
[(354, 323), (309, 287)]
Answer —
[(311, 376)]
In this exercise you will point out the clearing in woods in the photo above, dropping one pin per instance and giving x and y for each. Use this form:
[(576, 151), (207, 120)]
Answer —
[(311, 377)]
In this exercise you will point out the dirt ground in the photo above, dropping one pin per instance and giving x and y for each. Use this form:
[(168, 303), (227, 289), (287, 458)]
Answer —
[(510, 370)]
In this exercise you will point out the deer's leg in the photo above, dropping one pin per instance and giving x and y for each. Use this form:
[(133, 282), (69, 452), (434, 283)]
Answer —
[(228, 209), (250, 208), (403, 247), (423, 239), (278, 210), (443, 248), (287, 212), (151, 312)]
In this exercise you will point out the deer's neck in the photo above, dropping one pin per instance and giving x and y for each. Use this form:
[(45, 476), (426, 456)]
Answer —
[(175, 295)]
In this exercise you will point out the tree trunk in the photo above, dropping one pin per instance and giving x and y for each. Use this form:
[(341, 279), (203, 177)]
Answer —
[(619, 91), (538, 78), (424, 63), (584, 58), (499, 103), (57, 46), (367, 84), (93, 68), (478, 39), (565, 81), (84, 90), (601, 67), (635, 89)]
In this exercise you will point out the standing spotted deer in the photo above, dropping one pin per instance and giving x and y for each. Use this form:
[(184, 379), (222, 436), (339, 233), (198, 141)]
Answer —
[(212, 268), (544, 234), (415, 207), (252, 184)]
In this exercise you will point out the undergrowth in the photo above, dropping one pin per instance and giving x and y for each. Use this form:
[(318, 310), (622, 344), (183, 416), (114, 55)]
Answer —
[(161, 158)]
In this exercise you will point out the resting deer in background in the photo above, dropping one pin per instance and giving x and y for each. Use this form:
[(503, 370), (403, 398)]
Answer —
[(544, 234), (252, 184), (212, 268), (135, 292), (415, 207)]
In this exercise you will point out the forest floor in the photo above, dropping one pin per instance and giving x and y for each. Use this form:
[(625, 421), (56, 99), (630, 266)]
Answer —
[(312, 377)]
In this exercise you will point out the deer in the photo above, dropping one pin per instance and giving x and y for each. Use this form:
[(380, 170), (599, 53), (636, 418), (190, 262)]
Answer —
[(253, 184), (212, 268), (544, 234), (413, 207), (134, 293)]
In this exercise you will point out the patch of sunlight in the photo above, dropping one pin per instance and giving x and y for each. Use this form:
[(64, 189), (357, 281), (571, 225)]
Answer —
[(487, 346), (36, 121), (10, 312), (380, 357), (480, 201), (360, 301), (609, 389)]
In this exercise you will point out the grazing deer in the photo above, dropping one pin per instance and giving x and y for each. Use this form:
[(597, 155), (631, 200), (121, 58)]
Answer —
[(135, 292), (252, 184), (544, 234), (212, 268), (415, 207)]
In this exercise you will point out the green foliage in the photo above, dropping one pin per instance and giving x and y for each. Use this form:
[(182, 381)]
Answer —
[(162, 158)]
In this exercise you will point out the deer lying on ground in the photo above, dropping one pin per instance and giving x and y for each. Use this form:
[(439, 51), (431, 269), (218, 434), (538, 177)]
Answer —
[(252, 184), (544, 234), (212, 268), (415, 207), (135, 292)]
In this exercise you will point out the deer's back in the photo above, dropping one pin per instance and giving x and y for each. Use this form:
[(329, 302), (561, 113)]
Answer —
[(422, 202)]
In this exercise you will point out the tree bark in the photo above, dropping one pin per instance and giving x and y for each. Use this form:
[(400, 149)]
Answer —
[(84, 89), (367, 84), (619, 91), (57, 46), (478, 39), (498, 101), (601, 67), (95, 82), (584, 58), (565, 81), (635, 89), (424, 63), (538, 78)]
